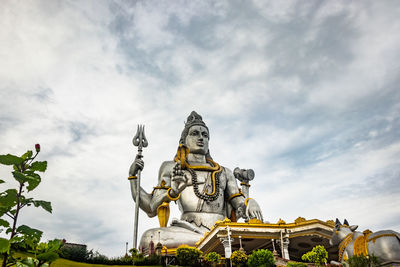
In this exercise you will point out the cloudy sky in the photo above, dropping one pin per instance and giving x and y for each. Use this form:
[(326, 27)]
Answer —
[(306, 93)]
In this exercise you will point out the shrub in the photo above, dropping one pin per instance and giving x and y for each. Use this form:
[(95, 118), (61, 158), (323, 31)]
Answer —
[(318, 255), (96, 258), (296, 264), (238, 258), (261, 258), (362, 261), (74, 253), (212, 257), (188, 256), (140, 260)]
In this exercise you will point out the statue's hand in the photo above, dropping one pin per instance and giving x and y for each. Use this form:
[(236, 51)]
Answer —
[(137, 165), (179, 180), (253, 210)]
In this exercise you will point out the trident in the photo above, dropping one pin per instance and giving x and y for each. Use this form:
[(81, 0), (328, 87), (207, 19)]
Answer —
[(140, 141)]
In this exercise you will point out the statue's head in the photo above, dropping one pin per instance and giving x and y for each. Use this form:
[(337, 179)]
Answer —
[(195, 135)]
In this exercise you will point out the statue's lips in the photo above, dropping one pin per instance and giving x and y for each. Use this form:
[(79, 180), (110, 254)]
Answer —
[(200, 143)]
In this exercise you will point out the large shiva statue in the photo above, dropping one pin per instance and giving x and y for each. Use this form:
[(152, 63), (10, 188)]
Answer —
[(204, 190)]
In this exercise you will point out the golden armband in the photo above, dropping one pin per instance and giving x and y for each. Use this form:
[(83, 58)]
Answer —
[(246, 201), (133, 177), (172, 198), (235, 195)]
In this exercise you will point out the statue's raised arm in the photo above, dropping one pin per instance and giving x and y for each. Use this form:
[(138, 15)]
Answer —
[(204, 191)]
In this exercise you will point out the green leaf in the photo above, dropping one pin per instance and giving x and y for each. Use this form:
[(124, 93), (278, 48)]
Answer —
[(25, 201), (16, 239), (1, 181), (55, 245), (46, 205), (4, 245), (10, 159), (8, 198), (31, 232), (47, 256), (27, 155), (4, 223), (39, 166), (19, 176), (33, 179), (27, 262)]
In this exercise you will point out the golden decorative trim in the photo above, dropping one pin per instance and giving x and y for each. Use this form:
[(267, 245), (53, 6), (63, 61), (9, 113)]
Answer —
[(244, 183), (273, 225), (310, 234), (161, 187), (226, 220), (366, 232), (373, 239), (281, 221), (218, 222), (133, 177), (163, 214), (235, 195), (360, 245), (344, 243), (331, 223), (255, 221), (299, 220), (246, 201), (172, 198), (181, 156)]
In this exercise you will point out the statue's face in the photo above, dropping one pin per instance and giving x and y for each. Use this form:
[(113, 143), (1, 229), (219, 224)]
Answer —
[(197, 140)]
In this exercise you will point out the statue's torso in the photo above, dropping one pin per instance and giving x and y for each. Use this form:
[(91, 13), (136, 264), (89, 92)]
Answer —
[(188, 201)]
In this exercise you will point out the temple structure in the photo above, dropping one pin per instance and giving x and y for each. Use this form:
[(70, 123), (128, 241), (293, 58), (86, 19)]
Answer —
[(288, 241)]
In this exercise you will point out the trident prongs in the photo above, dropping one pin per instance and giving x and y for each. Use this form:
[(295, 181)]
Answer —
[(139, 139)]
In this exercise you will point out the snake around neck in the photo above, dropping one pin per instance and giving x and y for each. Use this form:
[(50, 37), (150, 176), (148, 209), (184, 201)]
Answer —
[(215, 170)]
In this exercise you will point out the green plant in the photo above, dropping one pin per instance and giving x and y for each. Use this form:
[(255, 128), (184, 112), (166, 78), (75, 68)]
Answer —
[(75, 253), (363, 261), (238, 258), (12, 201), (188, 256), (152, 260), (47, 252), (318, 255), (261, 258), (296, 264), (212, 257)]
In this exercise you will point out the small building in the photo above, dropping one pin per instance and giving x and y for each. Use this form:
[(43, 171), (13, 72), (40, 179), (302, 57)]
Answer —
[(287, 240)]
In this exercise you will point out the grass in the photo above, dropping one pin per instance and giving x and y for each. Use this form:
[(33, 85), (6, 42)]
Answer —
[(67, 263)]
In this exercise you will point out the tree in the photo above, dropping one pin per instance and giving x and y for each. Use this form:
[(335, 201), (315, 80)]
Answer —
[(12, 201), (261, 258), (318, 255), (188, 256), (238, 258), (212, 257)]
